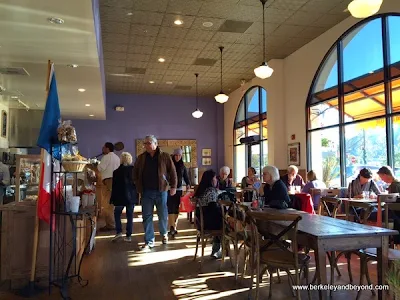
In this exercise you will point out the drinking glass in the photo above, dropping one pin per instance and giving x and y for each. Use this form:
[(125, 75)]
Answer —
[(366, 194)]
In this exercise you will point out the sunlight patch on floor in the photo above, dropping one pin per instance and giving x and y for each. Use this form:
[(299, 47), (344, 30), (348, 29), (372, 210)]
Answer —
[(197, 288), (146, 258)]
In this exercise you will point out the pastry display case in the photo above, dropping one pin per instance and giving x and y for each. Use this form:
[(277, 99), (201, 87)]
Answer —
[(27, 177)]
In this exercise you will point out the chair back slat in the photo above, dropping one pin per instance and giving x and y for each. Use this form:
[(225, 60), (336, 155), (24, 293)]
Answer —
[(392, 207), (323, 206)]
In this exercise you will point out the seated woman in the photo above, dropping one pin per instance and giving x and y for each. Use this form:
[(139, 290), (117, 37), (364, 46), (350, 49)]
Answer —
[(292, 178), (274, 191), (207, 195), (223, 181), (313, 183), (247, 184)]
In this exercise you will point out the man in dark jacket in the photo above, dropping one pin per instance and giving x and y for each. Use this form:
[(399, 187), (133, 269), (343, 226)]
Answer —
[(153, 172)]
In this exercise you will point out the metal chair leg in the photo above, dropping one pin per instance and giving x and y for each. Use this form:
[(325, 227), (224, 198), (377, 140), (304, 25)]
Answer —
[(197, 247), (368, 278), (271, 275)]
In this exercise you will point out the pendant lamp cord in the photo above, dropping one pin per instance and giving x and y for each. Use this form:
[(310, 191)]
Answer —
[(197, 98), (221, 48), (263, 4)]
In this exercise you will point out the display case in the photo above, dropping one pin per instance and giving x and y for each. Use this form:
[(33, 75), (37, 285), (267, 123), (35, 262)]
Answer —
[(27, 177)]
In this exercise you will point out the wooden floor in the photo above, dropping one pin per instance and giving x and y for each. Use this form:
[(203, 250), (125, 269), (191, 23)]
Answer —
[(120, 271)]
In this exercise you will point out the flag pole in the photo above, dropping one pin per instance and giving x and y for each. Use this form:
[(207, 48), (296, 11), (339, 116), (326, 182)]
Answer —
[(36, 230)]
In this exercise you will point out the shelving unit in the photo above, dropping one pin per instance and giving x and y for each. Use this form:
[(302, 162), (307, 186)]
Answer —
[(67, 246)]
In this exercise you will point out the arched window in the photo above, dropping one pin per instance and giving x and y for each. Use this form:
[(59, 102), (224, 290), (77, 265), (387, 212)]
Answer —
[(251, 121), (353, 108)]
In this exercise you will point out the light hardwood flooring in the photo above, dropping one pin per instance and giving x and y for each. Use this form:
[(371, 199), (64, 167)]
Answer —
[(118, 271)]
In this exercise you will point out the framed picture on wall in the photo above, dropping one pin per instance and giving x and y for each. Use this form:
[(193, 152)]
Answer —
[(206, 152), (294, 154), (206, 161), (3, 123)]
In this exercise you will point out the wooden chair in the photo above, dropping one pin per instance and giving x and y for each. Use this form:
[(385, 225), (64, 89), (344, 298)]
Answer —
[(203, 236), (329, 206), (229, 232), (365, 212), (369, 254), (274, 253)]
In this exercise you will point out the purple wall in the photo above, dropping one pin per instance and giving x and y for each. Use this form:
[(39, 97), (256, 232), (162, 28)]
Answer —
[(167, 117)]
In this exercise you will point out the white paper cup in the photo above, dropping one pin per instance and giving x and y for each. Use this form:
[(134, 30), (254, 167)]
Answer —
[(74, 204)]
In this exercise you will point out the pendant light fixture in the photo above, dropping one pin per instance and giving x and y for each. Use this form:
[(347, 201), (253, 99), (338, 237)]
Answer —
[(221, 97), (364, 8), (263, 71), (197, 113)]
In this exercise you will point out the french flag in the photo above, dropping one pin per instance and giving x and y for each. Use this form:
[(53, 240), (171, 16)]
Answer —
[(47, 139)]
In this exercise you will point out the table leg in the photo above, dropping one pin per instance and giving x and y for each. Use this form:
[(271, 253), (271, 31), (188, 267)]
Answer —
[(320, 259), (347, 209), (191, 217), (382, 265), (379, 215)]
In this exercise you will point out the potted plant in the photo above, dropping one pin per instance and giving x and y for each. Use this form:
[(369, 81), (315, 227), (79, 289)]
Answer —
[(393, 278)]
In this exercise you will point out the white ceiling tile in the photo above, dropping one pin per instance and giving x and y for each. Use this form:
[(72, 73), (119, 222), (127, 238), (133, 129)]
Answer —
[(312, 32), (118, 3), (164, 51), (142, 41), (144, 30), (113, 55), (137, 64), (138, 57), (288, 30), (225, 37), (257, 28), (273, 15), (114, 14), (216, 10), (113, 47), (146, 17), (153, 5), (200, 35), (319, 6), (184, 7), (245, 13), (288, 4), (115, 27), (329, 20), (194, 45), (172, 32), (168, 42), (249, 39), (116, 38), (140, 49), (115, 62)]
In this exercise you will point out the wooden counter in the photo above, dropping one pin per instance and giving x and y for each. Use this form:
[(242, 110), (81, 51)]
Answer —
[(18, 220)]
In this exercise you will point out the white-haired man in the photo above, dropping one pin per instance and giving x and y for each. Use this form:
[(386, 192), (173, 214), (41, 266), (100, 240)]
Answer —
[(292, 178), (152, 173)]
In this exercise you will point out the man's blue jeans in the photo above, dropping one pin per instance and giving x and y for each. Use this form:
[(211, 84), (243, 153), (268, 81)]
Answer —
[(149, 199), (129, 218)]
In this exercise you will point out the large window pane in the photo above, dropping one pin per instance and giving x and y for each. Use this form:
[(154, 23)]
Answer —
[(365, 103), (325, 155), (253, 129), (264, 129), (263, 100), (264, 159), (240, 113), (362, 53), (396, 144), (255, 157), (395, 95), (239, 133), (324, 114), (328, 75), (365, 147), (240, 162), (253, 103), (394, 39)]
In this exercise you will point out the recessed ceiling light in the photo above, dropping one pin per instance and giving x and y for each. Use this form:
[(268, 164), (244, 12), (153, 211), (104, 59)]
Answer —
[(73, 65), (87, 104), (151, 81), (14, 97), (178, 22), (208, 24), (81, 90), (55, 20), (129, 14), (161, 59), (91, 115), (169, 82)]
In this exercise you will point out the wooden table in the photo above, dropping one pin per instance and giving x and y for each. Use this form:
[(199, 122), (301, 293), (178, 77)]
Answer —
[(324, 234), (348, 201)]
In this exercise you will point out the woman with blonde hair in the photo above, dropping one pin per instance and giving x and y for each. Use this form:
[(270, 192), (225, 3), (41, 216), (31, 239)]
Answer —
[(123, 194)]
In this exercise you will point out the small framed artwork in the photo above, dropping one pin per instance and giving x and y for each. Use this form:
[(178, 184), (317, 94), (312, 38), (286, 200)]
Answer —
[(3, 123), (206, 152), (206, 161), (294, 154)]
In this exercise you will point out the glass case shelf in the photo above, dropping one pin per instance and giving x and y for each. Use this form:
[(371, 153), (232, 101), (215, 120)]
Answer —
[(27, 177)]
